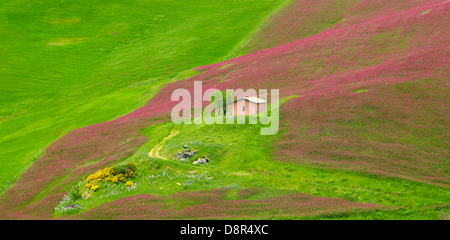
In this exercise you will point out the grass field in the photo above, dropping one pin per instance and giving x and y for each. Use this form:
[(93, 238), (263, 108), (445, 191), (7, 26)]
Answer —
[(240, 160), (69, 64), (363, 115)]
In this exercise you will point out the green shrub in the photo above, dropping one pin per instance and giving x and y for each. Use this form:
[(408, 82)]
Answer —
[(75, 193)]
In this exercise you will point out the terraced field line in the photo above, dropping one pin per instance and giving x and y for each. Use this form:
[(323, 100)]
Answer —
[(155, 151)]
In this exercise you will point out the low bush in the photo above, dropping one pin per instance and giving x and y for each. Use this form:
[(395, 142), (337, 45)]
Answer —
[(128, 170), (129, 184), (75, 193), (114, 174)]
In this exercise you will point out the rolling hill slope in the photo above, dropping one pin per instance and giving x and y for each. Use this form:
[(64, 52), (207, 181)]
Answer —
[(369, 101), (68, 64)]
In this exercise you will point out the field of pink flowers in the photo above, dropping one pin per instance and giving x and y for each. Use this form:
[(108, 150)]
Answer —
[(302, 19), (373, 96), (213, 204)]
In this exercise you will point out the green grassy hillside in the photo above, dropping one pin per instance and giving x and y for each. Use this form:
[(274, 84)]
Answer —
[(68, 64), (362, 122)]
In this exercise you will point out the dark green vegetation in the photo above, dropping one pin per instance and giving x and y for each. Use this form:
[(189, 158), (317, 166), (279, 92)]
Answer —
[(69, 64)]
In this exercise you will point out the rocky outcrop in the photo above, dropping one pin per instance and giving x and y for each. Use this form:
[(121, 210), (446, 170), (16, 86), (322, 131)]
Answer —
[(200, 161), (188, 153)]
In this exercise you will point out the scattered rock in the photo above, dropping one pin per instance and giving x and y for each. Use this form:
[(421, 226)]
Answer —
[(185, 155), (188, 153), (204, 160), (72, 206), (188, 182)]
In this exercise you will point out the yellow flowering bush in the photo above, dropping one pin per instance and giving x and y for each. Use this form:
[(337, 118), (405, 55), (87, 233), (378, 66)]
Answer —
[(115, 179), (95, 187), (128, 170), (129, 184), (114, 174), (100, 176)]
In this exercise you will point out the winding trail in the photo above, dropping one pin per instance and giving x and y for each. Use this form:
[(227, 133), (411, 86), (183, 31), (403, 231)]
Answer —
[(156, 150), (154, 153)]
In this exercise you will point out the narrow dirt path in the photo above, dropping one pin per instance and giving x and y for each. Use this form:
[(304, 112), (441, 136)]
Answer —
[(155, 153), (156, 150)]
